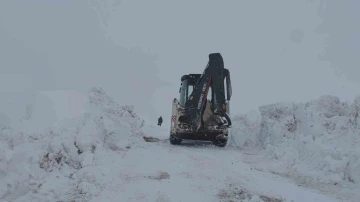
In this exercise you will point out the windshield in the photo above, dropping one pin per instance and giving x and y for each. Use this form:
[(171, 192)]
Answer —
[(185, 91)]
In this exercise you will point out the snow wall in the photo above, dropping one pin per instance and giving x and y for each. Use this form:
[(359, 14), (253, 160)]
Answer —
[(318, 140), (53, 165)]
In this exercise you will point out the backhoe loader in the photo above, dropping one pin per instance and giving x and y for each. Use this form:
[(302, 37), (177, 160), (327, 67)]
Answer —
[(202, 110)]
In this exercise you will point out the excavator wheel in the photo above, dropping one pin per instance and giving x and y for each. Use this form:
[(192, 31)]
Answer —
[(174, 140), (221, 142)]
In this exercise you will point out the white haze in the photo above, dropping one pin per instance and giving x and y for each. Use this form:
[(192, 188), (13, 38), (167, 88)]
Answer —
[(138, 50)]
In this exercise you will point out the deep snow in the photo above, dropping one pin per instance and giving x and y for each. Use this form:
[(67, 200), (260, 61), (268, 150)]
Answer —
[(317, 143), (295, 152), (319, 139)]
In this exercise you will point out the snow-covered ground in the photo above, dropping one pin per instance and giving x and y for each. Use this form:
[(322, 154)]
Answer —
[(102, 155)]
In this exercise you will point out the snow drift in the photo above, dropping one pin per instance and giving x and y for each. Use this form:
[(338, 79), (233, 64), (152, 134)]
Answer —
[(318, 140), (52, 165)]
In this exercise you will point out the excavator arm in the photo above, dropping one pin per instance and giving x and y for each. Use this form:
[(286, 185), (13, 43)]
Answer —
[(213, 76)]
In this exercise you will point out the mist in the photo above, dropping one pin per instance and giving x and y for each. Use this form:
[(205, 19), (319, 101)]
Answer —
[(137, 51)]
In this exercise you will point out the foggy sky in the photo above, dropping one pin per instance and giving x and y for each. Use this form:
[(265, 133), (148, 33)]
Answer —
[(137, 51)]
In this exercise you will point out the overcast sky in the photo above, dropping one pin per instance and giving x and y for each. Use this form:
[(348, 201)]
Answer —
[(288, 50)]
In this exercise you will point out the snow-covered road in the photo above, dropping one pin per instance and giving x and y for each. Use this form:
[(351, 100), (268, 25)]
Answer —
[(194, 171)]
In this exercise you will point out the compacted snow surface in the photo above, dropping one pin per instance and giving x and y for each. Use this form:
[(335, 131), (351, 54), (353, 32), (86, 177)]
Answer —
[(289, 152)]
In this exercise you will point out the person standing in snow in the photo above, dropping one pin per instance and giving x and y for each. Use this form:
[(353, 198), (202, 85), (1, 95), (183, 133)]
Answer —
[(160, 121)]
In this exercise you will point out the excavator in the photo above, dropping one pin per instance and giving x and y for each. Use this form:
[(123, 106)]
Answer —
[(202, 111)]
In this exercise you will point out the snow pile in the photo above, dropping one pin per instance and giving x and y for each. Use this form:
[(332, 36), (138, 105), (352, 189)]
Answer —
[(245, 130), (64, 163), (318, 140)]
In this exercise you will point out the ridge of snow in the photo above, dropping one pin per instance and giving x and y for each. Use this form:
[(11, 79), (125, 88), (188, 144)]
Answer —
[(316, 141), (52, 165)]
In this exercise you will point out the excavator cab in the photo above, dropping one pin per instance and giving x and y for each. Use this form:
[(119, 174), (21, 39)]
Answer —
[(187, 85), (201, 112)]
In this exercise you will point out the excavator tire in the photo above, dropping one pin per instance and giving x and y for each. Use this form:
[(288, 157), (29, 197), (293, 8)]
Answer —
[(174, 140), (221, 142)]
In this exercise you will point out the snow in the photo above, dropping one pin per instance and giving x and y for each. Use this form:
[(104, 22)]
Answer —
[(98, 153), (43, 166), (313, 142)]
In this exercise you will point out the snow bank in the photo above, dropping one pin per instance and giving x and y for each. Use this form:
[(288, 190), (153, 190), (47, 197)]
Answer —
[(245, 130), (55, 164), (317, 140)]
